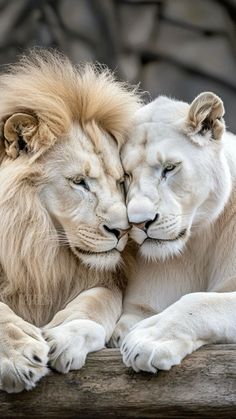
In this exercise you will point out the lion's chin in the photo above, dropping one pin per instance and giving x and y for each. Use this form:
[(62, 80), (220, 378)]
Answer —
[(99, 261), (154, 250)]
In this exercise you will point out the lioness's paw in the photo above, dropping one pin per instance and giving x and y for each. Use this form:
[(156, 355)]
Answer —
[(155, 347), (117, 336), (121, 330), (123, 327), (71, 342), (23, 356)]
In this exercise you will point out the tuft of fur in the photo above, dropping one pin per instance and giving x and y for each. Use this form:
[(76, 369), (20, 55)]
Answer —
[(49, 87), (205, 114)]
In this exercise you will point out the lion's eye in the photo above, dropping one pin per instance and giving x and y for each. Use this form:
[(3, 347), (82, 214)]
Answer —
[(127, 177), (168, 168), (80, 182), (127, 180), (121, 184)]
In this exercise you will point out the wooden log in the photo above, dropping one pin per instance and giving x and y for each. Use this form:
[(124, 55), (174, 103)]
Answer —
[(204, 385)]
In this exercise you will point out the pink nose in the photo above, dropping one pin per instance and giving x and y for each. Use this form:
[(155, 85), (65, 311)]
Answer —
[(141, 226), (144, 225)]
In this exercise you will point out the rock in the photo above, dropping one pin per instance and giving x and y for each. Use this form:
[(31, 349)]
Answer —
[(79, 18), (8, 16), (212, 55), (205, 14), (129, 67), (79, 51), (91, 22), (175, 47), (137, 22)]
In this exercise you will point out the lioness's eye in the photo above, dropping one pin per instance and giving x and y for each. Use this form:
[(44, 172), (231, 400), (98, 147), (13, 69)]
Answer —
[(168, 168), (80, 182)]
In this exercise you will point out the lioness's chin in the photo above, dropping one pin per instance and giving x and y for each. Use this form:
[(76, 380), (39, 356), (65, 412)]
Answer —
[(153, 249), (100, 261)]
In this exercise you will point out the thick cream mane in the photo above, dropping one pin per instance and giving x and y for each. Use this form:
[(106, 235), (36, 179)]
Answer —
[(57, 93), (39, 276)]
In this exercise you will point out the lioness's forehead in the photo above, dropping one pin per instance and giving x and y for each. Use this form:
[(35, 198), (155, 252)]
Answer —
[(148, 145), (156, 123)]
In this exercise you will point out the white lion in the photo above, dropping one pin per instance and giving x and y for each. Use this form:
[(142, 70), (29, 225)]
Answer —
[(63, 217), (181, 197)]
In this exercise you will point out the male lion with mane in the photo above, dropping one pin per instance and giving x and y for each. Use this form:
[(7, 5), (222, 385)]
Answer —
[(181, 200), (63, 217)]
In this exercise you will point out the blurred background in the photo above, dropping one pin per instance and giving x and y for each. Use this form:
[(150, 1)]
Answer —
[(173, 47)]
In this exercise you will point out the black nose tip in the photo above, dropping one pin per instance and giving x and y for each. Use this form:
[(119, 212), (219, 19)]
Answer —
[(118, 232), (114, 231)]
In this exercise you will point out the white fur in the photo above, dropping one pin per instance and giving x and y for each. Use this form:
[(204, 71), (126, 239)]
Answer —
[(161, 341), (198, 197)]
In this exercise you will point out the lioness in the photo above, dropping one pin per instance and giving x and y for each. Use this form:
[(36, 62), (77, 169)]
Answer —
[(63, 217), (181, 200)]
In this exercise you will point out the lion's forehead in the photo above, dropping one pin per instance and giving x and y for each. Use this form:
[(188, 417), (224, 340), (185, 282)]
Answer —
[(79, 154), (105, 162)]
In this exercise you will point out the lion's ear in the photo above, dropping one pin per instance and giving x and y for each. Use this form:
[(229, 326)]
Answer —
[(24, 132), (205, 118)]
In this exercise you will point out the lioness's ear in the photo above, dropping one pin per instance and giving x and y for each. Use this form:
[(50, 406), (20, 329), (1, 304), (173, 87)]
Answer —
[(205, 118), (24, 132)]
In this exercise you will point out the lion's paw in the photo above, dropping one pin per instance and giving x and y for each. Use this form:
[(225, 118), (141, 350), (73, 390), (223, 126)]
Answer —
[(71, 342), (155, 347), (23, 356)]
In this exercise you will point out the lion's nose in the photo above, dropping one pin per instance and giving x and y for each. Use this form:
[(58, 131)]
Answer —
[(144, 225), (118, 232)]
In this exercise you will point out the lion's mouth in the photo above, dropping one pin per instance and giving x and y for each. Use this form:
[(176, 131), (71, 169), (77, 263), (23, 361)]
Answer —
[(181, 235), (89, 252)]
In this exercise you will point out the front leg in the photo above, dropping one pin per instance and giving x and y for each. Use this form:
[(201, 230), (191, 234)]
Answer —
[(162, 341), (23, 352), (132, 314), (84, 326)]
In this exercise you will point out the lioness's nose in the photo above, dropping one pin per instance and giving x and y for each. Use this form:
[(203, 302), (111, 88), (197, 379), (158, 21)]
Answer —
[(140, 210), (118, 232), (144, 225)]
